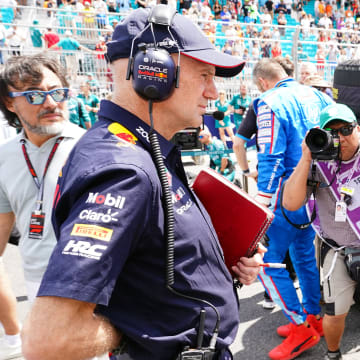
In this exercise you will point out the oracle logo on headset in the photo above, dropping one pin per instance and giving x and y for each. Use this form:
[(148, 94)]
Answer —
[(153, 70)]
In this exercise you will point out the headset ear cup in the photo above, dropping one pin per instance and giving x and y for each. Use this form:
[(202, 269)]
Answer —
[(154, 74)]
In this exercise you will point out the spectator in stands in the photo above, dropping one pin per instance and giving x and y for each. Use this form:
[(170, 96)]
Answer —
[(306, 69), (265, 46), (204, 16), (35, 35), (223, 105), (50, 38), (15, 39), (305, 25), (299, 10), (245, 54), (88, 14), (9, 10), (325, 22), (101, 13), (269, 5), (253, 12), (281, 20), (239, 104), (217, 9), (276, 49), (108, 34), (349, 18), (332, 53), (78, 114), (320, 58), (225, 14), (280, 7), (185, 4), (194, 12), (93, 82), (72, 45), (255, 51), (329, 10), (275, 34), (121, 5), (289, 5), (90, 100), (219, 162), (265, 17), (233, 10), (321, 8), (245, 10)]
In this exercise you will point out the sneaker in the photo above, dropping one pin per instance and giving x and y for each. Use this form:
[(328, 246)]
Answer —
[(300, 339), (317, 324), (333, 356), (8, 351), (268, 304), (284, 330)]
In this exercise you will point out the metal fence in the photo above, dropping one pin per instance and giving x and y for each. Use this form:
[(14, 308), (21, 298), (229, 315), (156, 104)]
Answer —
[(300, 44)]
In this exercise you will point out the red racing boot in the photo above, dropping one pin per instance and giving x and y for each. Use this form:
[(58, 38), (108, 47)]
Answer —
[(301, 338), (284, 330)]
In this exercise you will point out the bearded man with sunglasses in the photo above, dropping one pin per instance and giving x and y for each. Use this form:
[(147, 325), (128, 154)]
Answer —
[(33, 98), (337, 201)]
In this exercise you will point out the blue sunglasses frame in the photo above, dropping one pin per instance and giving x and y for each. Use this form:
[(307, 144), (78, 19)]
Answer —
[(44, 94)]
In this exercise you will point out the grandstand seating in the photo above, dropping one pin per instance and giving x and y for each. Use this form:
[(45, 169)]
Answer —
[(87, 35)]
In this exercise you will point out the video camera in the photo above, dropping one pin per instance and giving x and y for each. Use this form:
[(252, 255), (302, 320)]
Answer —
[(323, 144)]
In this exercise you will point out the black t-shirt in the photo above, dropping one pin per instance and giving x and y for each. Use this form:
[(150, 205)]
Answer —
[(269, 5), (248, 127)]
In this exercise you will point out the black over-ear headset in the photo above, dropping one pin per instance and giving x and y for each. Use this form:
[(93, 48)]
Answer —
[(152, 68)]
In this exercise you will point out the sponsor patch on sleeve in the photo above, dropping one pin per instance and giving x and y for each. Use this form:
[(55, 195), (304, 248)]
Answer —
[(92, 231)]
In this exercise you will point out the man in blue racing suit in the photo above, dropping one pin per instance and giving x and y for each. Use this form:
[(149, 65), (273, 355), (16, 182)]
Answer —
[(285, 112)]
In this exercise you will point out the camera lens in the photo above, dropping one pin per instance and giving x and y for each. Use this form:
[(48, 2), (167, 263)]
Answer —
[(317, 140)]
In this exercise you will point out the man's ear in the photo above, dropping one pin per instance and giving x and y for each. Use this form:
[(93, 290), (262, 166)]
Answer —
[(9, 103)]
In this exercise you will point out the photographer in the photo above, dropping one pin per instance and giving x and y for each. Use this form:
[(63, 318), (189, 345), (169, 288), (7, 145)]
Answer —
[(337, 210)]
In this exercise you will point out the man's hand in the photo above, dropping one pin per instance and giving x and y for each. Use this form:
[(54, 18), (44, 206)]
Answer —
[(247, 269)]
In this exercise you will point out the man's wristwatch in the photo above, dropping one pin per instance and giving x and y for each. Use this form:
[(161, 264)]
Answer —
[(246, 172)]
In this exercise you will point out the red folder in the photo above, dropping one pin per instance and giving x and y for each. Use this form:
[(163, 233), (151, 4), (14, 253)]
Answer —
[(240, 221)]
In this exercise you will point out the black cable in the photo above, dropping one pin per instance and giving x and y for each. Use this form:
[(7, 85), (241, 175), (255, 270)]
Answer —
[(169, 224)]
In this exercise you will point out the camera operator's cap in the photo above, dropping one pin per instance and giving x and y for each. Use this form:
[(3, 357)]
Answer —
[(191, 41), (338, 112)]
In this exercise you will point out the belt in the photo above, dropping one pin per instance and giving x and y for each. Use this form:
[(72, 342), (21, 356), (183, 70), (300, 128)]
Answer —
[(223, 354)]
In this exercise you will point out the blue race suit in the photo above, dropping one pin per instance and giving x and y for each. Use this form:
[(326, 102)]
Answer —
[(284, 115)]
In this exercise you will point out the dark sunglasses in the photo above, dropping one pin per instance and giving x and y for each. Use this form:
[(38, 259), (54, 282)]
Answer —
[(344, 131), (37, 97)]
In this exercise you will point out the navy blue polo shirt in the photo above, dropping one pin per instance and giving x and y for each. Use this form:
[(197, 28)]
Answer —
[(109, 222)]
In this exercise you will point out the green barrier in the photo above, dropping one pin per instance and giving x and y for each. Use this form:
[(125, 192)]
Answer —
[(202, 152)]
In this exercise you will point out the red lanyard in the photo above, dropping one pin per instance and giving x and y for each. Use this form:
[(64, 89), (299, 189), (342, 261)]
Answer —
[(40, 183)]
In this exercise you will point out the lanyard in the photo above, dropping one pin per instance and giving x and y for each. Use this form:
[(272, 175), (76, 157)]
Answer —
[(353, 169), (40, 183)]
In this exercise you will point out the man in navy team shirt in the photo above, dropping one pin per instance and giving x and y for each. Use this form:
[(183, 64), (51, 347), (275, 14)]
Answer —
[(106, 284)]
